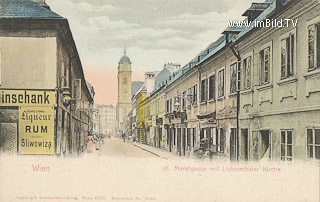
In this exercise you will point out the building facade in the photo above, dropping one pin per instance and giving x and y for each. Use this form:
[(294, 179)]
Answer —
[(142, 117), (217, 113), (280, 89), (45, 105), (107, 119)]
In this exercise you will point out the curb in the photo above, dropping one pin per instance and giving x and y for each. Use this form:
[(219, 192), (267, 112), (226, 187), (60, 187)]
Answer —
[(150, 151)]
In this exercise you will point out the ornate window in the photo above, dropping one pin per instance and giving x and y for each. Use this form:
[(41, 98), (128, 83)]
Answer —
[(221, 83), (195, 93), (314, 46), (287, 56), (233, 78), (247, 73), (212, 87), (264, 57), (204, 90)]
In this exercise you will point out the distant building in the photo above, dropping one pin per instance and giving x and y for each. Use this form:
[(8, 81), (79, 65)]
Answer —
[(107, 114), (124, 90), (95, 120)]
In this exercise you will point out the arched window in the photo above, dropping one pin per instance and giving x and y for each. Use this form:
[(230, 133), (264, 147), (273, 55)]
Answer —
[(125, 80), (125, 91)]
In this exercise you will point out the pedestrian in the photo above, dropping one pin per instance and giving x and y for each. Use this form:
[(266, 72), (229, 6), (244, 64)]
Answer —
[(124, 137)]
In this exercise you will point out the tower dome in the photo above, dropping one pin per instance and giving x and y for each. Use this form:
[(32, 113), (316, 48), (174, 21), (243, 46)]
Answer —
[(125, 59)]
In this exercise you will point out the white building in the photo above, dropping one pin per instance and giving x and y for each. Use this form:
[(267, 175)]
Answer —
[(107, 114)]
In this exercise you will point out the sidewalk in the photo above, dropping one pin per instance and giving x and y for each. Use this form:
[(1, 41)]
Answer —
[(157, 151)]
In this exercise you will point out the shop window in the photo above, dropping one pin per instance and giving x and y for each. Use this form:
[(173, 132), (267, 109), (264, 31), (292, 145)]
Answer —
[(212, 87), (220, 140), (287, 56), (264, 57), (313, 143), (174, 136), (221, 83), (189, 137), (194, 137), (314, 46), (286, 145), (233, 78)]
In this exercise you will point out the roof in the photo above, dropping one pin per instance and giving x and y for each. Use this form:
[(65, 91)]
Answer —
[(135, 86), (264, 15), (125, 59), (257, 7), (204, 55), (215, 47), (162, 78), (25, 9), (235, 29)]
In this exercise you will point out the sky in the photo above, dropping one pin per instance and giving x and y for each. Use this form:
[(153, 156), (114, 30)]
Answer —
[(155, 32)]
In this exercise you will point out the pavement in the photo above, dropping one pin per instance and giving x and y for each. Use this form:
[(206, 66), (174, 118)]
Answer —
[(116, 147), (157, 151)]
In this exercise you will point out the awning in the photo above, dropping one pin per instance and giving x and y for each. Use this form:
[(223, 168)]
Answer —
[(207, 116)]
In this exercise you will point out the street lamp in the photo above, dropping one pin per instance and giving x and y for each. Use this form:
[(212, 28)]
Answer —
[(177, 106), (65, 92)]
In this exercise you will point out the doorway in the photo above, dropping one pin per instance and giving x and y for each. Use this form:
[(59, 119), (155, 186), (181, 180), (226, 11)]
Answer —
[(8, 138), (244, 144), (233, 144), (179, 141)]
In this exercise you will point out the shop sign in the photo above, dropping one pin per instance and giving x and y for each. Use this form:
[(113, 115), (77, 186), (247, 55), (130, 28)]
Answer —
[(26, 98), (36, 130)]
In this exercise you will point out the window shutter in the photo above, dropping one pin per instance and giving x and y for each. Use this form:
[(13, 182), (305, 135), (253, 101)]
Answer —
[(239, 75), (255, 70), (214, 86)]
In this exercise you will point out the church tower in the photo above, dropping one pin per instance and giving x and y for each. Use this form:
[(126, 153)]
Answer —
[(124, 90)]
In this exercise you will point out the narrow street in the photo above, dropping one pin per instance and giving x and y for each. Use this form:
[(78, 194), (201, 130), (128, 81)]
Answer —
[(116, 147)]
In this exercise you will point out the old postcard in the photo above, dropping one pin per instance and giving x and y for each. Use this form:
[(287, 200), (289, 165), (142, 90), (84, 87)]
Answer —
[(160, 100)]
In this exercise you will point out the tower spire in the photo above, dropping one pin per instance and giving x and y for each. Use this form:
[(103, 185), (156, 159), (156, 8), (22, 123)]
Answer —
[(125, 50)]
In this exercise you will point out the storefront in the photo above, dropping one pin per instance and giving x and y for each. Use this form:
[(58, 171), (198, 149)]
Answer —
[(27, 121)]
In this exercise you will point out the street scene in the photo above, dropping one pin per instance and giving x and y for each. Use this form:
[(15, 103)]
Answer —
[(160, 100), (251, 95)]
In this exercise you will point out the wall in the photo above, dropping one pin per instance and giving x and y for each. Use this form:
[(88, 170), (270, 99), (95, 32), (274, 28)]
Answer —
[(28, 62)]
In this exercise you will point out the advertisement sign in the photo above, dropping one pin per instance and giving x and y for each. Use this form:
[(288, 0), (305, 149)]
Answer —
[(36, 130), (26, 98)]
